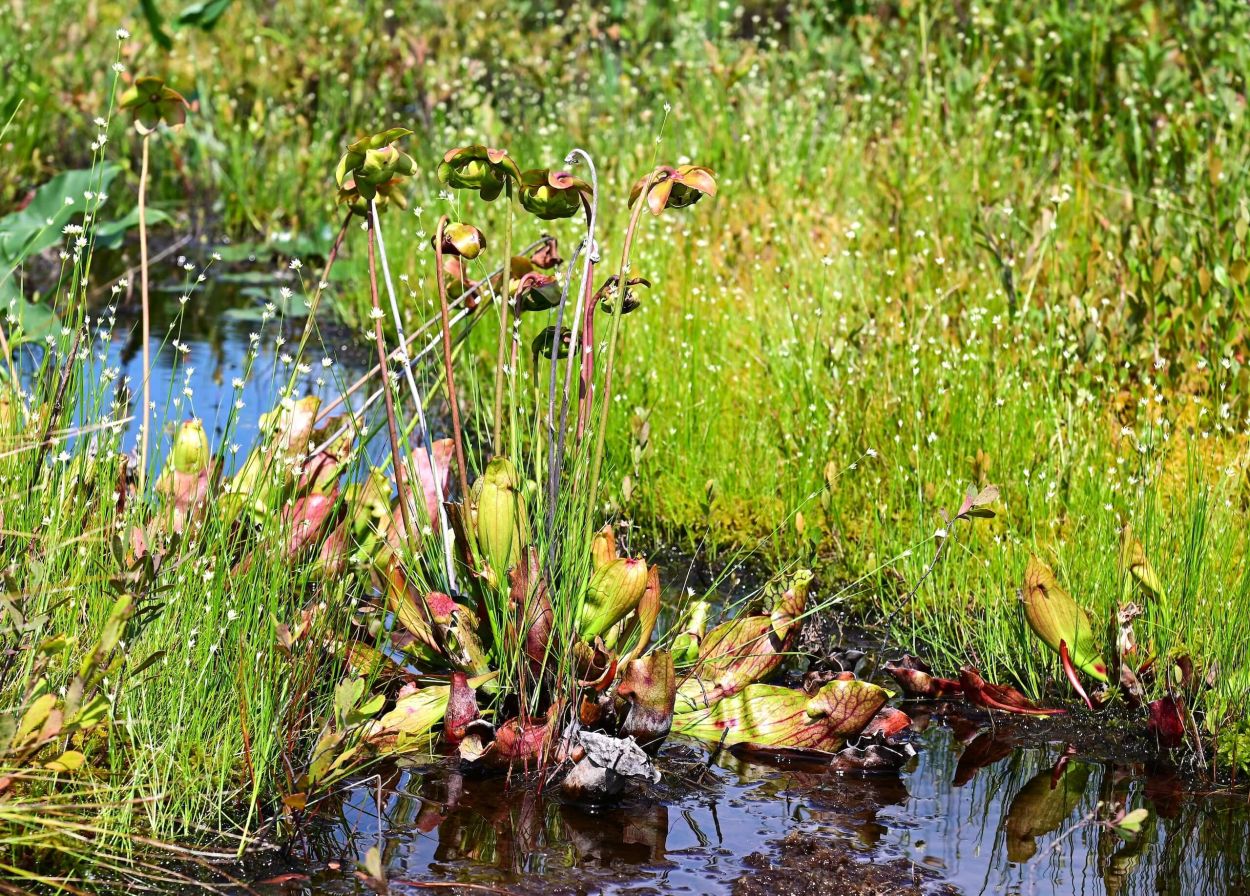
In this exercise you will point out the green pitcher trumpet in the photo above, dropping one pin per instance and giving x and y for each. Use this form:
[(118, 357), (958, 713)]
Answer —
[(1057, 619), (614, 591), (502, 521), (191, 451)]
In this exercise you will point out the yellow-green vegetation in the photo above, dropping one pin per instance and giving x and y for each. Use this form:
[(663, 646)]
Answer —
[(946, 246)]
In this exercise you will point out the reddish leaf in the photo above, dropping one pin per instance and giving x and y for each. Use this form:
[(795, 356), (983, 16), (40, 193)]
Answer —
[(888, 722), (1070, 671), (919, 683), (1167, 721), (980, 692), (461, 708)]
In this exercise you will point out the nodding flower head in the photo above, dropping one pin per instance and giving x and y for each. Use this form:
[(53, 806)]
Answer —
[(553, 194), (675, 187), (151, 102), (373, 165), (478, 168), (536, 291), (462, 240), (608, 293)]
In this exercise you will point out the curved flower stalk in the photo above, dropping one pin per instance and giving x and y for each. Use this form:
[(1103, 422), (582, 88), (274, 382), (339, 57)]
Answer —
[(665, 187), (464, 241), (150, 102), (587, 246), (372, 169), (489, 172)]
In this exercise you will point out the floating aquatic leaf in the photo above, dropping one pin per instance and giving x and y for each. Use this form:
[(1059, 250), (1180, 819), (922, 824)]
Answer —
[(1054, 617)]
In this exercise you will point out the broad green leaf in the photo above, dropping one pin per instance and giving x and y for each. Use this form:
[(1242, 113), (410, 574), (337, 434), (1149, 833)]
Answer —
[(56, 203)]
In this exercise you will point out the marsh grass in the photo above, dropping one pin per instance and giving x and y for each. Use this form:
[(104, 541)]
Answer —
[(1006, 248)]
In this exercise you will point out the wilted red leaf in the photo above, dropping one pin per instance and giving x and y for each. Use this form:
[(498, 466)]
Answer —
[(980, 692), (918, 683), (888, 722)]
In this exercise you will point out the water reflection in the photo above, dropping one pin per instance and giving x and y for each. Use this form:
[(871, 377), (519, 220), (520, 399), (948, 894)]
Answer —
[(988, 815), (1024, 823)]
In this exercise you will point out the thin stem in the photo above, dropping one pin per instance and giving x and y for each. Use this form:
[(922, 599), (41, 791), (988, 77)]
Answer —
[(448, 566), (463, 298), (147, 320), (322, 284), (617, 309), (445, 313), (588, 268), (506, 293), (397, 460)]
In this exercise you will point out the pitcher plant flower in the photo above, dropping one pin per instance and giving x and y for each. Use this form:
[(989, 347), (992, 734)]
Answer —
[(461, 240), (374, 161), (151, 102), (478, 168), (669, 187), (551, 195)]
